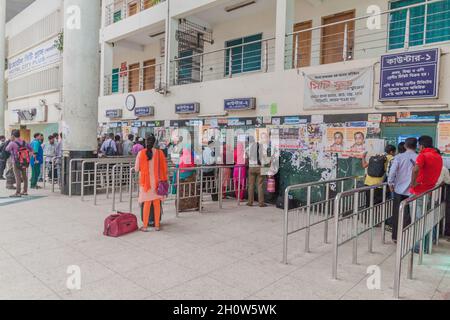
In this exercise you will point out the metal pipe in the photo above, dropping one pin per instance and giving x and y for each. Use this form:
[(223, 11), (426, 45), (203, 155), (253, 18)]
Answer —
[(398, 260), (355, 229), (336, 235), (371, 219), (285, 225), (308, 220)]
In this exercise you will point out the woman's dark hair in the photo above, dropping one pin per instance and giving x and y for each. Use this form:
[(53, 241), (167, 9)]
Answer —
[(390, 149), (151, 140), (401, 147)]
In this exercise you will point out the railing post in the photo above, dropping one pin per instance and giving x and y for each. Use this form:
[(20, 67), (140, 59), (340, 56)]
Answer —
[(413, 244), (285, 225), (178, 187), (385, 212), (371, 219), (336, 236), (423, 231), (130, 188), (201, 192), (345, 47), (114, 187), (220, 188), (53, 174), (266, 47), (327, 212), (308, 220), (355, 228), (230, 64), (82, 181), (399, 253), (44, 167), (296, 51), (121, 183), (239, 187), (407, 29), (95, 183)]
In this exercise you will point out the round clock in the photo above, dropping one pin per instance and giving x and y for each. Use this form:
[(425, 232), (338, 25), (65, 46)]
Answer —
[(130, 102)]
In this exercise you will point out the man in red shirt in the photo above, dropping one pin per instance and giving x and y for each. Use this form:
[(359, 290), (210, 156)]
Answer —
[(428, 167), (425, 175)]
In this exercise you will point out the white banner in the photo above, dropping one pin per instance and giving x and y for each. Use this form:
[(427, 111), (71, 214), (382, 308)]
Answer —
[(341, 89), (39, 57)]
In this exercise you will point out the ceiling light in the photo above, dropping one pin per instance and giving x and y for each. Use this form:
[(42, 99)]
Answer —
[(239, 5)]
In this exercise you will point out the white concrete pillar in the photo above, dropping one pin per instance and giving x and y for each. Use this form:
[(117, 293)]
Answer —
[(284, 25), (2, 66), (106, 66), (81, 76)]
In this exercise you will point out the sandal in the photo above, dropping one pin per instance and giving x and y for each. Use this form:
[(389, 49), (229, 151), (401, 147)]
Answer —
[(24, 194), (143, 229), (15, 196)]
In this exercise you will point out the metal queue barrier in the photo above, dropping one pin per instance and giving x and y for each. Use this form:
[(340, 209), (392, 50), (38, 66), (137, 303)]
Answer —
[(87, 177), (55, 163), (219, 184), (427, 212), (312, 212), (355, 216)]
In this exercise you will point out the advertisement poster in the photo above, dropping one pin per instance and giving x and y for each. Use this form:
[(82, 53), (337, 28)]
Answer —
[(342, 89), (335, 140), (444, 137), (355, 142), (39, 57), (410, 75), (293, 138)]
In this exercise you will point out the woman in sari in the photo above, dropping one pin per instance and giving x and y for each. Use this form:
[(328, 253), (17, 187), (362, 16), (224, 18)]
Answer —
[(189, 189), (152, 167)]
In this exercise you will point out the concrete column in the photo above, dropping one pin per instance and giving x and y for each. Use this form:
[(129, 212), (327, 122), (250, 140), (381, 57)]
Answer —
[(284, 25), (82, 19), (106, 67), (2, 66)]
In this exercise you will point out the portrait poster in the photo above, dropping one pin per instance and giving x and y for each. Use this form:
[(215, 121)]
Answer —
[(355, 142)]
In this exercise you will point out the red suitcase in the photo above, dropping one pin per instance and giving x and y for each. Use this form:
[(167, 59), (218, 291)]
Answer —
[(120, 224)]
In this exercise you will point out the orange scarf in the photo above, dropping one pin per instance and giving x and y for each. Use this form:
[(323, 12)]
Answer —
[(160, 169)]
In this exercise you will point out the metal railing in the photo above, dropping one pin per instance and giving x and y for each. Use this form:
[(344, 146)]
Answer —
[(145, 78), (54, 164), (122, 9), (85, 177), (427, 211), (357, 212), (233, 61), (369, 36), (318, 208)]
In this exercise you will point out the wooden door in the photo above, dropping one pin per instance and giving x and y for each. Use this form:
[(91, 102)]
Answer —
[(25, 134), (132, 8), (302, 45), (148, 4), (149, 74), (133, 77), (332, 46)]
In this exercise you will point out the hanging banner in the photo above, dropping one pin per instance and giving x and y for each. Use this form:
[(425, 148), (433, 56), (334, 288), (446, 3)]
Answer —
[(341, 89), (39, 57), (444, 137), (410, 75)]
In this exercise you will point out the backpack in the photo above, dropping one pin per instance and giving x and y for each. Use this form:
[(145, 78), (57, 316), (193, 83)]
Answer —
[(23, 156), (377, 168), (109, 150), (4, 155)]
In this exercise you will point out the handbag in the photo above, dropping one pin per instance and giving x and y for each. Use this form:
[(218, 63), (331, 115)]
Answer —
[(271, 185), (163, 189)]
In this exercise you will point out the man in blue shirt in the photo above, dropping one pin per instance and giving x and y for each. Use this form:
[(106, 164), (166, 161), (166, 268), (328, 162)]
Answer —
[(399, 181), (36, 160)]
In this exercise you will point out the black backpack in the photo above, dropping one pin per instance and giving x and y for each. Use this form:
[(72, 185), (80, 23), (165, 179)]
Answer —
[(377, 166), (110, 150), (4, 155)]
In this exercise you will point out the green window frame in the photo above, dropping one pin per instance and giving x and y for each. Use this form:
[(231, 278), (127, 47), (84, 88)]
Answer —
[(429, 23), (245, 58), (115, 81)]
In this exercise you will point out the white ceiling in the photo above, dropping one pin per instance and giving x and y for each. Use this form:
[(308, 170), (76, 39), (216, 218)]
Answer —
[(13, 7), (218, 15)]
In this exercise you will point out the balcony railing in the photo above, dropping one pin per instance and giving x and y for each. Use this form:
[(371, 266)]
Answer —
[(233, 61), (122, 9), (370, 36), (149, 77)]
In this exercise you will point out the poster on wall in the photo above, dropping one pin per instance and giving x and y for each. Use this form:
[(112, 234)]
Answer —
[(355, 142), (348, 89), (335, 140), (410, 75), (39, 57), (444, 137)]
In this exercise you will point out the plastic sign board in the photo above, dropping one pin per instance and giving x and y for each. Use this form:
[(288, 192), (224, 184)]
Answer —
[(187, 108), (410, 75), (144, 111), (114, 113), (240, 104)]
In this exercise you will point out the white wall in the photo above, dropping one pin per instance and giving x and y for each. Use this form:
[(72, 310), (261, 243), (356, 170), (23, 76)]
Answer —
[(32, 14)]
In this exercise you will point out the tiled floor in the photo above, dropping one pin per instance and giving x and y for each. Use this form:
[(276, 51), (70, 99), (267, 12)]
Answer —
[(220, 254)]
